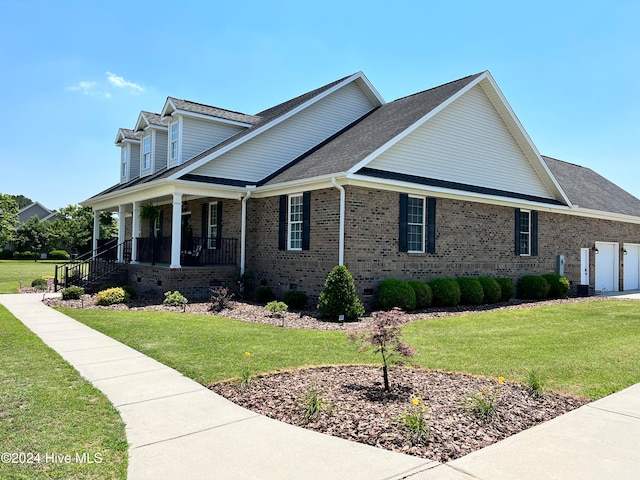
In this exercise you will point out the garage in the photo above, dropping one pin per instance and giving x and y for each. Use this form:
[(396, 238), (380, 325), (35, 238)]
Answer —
[(631, 266), (607, 267)]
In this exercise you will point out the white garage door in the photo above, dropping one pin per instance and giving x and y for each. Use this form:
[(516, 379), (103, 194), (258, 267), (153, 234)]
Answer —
[(607, 267), (631, 267)]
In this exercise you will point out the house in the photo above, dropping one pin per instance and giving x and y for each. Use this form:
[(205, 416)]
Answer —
[(38, 210), (445, 182)]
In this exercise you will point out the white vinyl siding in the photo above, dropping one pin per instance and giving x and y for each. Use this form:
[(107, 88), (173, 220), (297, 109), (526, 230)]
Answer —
[(200, 135), (161, 149), (295, 222), (262, 155), (134, 163), (467, 143)]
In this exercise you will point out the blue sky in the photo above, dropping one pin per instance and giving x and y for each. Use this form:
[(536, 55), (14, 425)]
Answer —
[(73, 72)]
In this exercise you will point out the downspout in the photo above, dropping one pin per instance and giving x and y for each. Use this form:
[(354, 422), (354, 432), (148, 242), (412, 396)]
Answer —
[(342, 209), (243, 235)]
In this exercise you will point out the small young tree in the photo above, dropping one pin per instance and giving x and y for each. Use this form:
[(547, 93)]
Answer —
[(384, 338), (339, 295)]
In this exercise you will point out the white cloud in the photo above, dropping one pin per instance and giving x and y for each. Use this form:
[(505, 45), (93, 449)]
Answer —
[(120, 82), (89, 88)]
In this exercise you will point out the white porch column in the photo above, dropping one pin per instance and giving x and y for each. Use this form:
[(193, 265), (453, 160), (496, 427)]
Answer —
[(121, 232), (135, 232), (96, 229), (243, 232), (176, 221)]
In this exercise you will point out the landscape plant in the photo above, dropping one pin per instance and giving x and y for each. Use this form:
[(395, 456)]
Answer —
[(174, 299), (295, 299), (424, 296), (446, 292), (265, 294), (72, 293), (220, 298), (415, 422), (533, 287), (312, 403), (339, 296), (558, 285), (384, 338), (482, 405), (535, 383), (471, 292), (491, 289), (276, 308), (246, 375), (39, 284), (395, 293), (507, 288), (111, 296)]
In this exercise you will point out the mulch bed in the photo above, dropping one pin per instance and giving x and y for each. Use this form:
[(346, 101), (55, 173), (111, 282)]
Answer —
[(358, 409)]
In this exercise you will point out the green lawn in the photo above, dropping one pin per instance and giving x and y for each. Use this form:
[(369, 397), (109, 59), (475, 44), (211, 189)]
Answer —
[(587, 349), (12, 271), (46, 408)]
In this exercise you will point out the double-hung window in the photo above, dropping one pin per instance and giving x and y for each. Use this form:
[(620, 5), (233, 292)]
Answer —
[(213, 224), (146, 152), (295, 222), (173, 148), (525, 232), (123, 158), (415, 224)]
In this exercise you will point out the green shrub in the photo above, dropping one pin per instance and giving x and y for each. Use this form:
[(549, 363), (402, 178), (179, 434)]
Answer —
[(58, 255), (108, 285), (5, 254), (276, 308), (558, 285), (424, 297), (446, 292), (295, 299), (130, 291), (471, 292), (392, 293), (339, 295), (533, 287), (173, 298), (40, 284), (111, 296), (507, 288), (265, 294), (72, 293), (25, 255), (491, 289)]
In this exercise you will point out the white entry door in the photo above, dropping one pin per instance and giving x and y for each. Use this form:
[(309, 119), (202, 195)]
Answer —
[(631, 259), (607, 267), (584, 266)]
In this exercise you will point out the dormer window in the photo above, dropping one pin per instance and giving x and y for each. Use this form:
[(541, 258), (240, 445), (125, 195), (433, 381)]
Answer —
[(173, 147), (123, 158), (146, 152)]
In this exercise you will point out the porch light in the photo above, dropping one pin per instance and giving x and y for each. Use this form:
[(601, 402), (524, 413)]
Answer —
[(624, 251), (595, 250)]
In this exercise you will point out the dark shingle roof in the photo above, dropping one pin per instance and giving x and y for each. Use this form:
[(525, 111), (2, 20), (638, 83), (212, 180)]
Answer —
[(155, 119), (127, 133), (211, 111), (587, 189), (356, 142)]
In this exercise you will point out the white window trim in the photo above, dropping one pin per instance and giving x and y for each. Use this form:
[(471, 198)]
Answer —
[(290, 223), (424, 224), (521, 233), (144, 154), (211, 238), (175, 140)]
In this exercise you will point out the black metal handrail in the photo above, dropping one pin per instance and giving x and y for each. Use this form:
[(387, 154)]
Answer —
[(81, 272)]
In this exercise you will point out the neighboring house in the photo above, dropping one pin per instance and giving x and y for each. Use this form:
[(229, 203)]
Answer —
[(445, 182), (38, 210)]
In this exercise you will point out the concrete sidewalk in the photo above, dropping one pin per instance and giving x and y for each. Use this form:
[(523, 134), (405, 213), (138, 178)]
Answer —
[(176, 428)]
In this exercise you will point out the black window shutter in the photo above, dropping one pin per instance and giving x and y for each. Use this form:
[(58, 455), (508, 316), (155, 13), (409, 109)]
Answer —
[(517, 232), (431, 225), (534, 233), (306, 219), (205, 223), (402, 238), (282, 232), (219, 226)]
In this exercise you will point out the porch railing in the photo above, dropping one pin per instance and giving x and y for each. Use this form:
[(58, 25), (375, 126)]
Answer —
[(82, 271), (195, 251)]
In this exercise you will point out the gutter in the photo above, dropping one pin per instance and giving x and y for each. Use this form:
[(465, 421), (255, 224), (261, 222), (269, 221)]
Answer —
[(243, 236), (342, 210)]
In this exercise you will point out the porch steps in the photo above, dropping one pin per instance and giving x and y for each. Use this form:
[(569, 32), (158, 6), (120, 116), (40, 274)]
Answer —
[(119, 276)]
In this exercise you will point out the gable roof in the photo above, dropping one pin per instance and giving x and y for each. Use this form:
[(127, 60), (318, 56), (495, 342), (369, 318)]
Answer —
[(125, 134), (173, 104), (589, 190), (38, 210), (150, 119), (346, 149)]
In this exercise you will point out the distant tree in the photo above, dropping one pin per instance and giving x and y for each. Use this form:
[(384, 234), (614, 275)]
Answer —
[(22, 201), (32, 235), (8, 218), (108, 225), (73, 229)]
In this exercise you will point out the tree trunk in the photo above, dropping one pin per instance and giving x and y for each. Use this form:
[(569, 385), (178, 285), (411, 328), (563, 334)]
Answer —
[(386, 378)]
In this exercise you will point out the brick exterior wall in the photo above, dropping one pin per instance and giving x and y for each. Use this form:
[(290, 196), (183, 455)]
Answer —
[(472, 239)]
